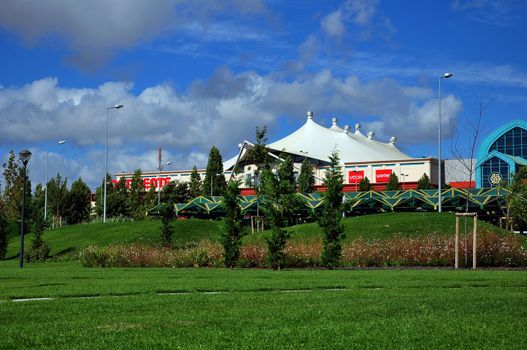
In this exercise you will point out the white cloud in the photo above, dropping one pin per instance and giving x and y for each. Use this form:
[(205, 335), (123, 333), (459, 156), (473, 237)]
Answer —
[(221, 111), (96, 29), (332, 24), (351, 12)]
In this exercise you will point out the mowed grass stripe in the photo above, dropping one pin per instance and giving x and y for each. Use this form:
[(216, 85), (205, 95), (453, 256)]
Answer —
[(361, 318)]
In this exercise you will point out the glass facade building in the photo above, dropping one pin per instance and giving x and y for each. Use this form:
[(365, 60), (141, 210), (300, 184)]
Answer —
[(501, 153)]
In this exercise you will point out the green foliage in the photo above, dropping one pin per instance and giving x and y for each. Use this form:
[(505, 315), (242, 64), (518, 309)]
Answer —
[(279, 203), (365, 185), (306, 179), (57, 192), (39, 250), (3, 232), (517, 199), (195, 187), (231, 238), (175, 192), (167, 230), (393, 183), (78, 202), (12, 187), (117, 204), (330, 219), (136, 196), (151, 198), (423, 183), (214, 179)]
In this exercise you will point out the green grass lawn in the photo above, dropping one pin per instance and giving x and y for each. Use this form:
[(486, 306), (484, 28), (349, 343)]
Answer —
[(313, 309), (71, 239)]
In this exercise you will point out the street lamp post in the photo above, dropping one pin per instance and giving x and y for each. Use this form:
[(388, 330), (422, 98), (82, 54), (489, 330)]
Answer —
[(61, 142), (212, 180), (404, 179), (106, 160), (439, 174), (25, 156)]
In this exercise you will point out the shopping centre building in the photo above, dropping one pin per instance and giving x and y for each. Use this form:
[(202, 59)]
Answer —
[(362, 155)]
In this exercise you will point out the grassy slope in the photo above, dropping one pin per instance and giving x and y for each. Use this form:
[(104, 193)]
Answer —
[(371, 227), (373, 309)]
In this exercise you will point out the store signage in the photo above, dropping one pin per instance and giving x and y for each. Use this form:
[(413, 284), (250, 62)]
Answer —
[(354, 177), (382, 175), (148, 182)]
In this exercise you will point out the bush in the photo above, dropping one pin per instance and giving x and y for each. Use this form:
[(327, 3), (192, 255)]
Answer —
[(38, 253)]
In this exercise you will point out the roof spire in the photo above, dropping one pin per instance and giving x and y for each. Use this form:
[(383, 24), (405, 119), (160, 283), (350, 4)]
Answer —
[(357, 127), (393, 139), (334, 121), (371, 134), (309, 115)]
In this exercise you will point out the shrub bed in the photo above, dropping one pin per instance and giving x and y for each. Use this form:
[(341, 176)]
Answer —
[(493, 250)]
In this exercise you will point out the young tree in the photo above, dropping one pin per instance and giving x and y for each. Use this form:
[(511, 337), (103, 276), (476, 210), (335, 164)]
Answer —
[(365, 185), (231, 238), (306, 179), (517, 198), (151, 198), (3, 231), (175, 192), (423, 183), (259, 155), (393, 183), (78, 202), (330, 220), (12, 187), (214, 182), (39, 250), (195, 185), (57, 192), (167, 230), (136, 196), (279, 204)]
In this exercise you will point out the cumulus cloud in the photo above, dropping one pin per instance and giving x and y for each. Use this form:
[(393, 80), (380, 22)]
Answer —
[(95, 30), (222, 110), (351, 12)]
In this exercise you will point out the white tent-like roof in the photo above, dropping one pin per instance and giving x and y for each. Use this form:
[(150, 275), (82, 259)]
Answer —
[(318, 142)]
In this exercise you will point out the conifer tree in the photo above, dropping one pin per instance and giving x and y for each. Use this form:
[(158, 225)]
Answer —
[(195, 185), (214, 182), (175, 192), (78, 202), (279, 203), (167, 230), (393, 183), (423, 183), (306, 179), (3, 231), (231, 238), (330, 220), (136, 196), (365, 185)]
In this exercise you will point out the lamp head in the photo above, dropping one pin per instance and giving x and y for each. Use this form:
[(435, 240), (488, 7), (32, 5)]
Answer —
[(119, 106), (25, 156), (61, 142), (447, 75)]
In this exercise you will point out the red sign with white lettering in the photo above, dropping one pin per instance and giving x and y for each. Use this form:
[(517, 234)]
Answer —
[(382, 175), (148, 182), (354, 177)]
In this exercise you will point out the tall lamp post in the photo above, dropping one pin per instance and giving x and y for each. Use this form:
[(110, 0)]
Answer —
[(212, 180), (25, 156), (439, 174), (106, 159), (61, 142)]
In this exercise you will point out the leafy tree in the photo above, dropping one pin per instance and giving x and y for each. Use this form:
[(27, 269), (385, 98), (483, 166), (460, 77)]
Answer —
[(136, 196), (365, 185), (517, 198), (39, 250), (116, 199), (167, 230), (175, 192), (231, 238), (214, 180), (306, 179), (279, 202), (151, 198), (57, 192), (393, 183), (78, 202), (195, 185), (423, 183), (3, 231), (330, 220), (12, 187), (38, 201)]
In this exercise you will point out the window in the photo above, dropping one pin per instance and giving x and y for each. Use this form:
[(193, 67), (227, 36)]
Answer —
[(513, 142), (494, 165)]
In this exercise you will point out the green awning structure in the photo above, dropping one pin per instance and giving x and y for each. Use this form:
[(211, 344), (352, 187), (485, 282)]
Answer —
[(452, 199)]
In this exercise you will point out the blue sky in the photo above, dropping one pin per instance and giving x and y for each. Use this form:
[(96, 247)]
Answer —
[(196, 73)]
